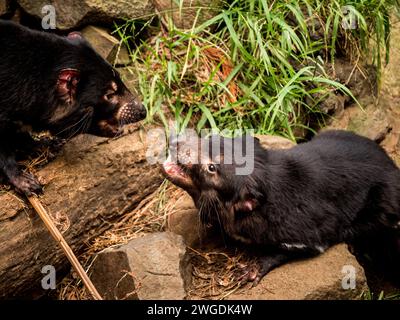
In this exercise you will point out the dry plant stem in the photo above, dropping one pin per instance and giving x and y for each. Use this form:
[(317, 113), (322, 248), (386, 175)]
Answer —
[(64, 246)]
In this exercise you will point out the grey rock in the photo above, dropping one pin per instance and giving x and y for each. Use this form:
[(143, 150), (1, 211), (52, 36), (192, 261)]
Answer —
[(274, 142), (112, 276), (184, 220), (373, 122), (324, 277), (106, 45), (74, 13), (155, 266), (130, 78)]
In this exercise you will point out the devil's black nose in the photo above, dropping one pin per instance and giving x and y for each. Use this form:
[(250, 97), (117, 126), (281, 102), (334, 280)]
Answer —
[(142, 112), (140, 109)]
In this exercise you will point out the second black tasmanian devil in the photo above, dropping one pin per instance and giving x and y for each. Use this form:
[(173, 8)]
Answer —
[(295, 203), (58, 84)]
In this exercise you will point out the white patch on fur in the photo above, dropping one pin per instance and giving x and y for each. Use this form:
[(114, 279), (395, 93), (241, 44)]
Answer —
[(294, 245), (321, 249)]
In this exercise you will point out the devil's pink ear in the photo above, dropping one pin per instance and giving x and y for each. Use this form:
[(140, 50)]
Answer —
[(75, 35), (247, 205), (67, 83), (248, 197)]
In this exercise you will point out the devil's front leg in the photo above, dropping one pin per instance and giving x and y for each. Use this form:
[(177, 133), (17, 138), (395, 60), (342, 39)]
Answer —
[(24, 182), (266, 263), (263, 264)]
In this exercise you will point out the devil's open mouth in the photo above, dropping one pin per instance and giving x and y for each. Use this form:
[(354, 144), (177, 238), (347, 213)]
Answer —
[(174, 170), (176, 173)]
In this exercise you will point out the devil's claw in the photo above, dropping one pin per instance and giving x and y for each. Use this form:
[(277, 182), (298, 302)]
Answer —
[(27, 183)]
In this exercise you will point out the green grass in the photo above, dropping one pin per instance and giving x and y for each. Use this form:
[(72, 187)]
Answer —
[(368, 295), (254, 64)]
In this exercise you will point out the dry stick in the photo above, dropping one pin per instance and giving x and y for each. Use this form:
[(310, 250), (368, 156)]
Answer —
[(64, 246)]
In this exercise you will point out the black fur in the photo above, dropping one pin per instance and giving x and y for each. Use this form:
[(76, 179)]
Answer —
[(59, 84), (339, 187)]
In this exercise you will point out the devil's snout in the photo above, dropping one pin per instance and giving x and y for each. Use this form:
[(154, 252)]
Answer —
[(141, 110), (132, 112)]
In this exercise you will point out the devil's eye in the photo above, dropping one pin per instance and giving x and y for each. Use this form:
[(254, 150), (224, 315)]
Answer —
[(109, 96), (212, 168)]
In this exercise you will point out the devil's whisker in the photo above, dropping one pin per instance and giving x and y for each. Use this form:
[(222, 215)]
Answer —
[(72, 125)]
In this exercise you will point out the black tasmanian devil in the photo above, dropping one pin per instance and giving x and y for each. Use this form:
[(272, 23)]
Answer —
[(294, 203), (58, 84)]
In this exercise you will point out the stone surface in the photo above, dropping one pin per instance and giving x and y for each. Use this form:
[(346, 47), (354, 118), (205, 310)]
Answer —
[(130, 78), (106, 45), (312, 279), (184, 220), (185, 17), (372, 122), (111, 275), (274, 142), (74, 13), (155, 266)]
